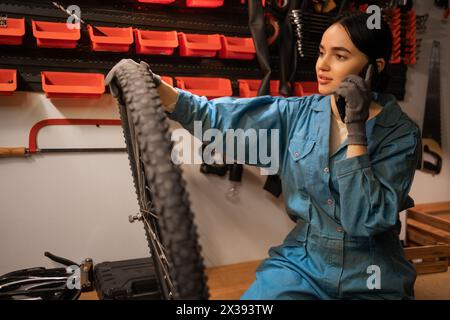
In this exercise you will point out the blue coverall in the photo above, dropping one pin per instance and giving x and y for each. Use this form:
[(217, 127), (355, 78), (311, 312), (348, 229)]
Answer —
[(346, 209)]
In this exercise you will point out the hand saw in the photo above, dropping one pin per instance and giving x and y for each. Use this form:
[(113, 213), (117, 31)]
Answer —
[(33, 147), (431, 129)]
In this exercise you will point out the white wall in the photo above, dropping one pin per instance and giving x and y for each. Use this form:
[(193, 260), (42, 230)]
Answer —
[(77, 205)]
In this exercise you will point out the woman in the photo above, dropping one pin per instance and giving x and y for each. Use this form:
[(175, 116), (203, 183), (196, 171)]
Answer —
[(344, 182)]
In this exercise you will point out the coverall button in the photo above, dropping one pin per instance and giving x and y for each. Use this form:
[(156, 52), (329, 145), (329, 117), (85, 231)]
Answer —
[(339, 229), (296, 154), (330, 201), (326, 169)]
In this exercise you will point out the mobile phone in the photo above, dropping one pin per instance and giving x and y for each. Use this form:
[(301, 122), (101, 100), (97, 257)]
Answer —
[(340, 102)]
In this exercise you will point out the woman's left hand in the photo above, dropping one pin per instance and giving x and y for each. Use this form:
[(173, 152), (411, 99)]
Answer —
[(357, 95)]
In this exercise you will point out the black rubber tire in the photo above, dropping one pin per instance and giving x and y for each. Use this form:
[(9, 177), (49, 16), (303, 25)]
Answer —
[(139, 102)]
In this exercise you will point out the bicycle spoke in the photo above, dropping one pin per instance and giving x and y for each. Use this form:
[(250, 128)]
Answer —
[(150, 213), (161, 255), (154, 237)]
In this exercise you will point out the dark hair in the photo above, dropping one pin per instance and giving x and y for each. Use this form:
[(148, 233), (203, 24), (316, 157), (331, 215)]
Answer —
[(374, 43)]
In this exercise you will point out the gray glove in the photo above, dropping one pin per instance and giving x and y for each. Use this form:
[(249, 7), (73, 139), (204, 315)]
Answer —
[(109, 80), (357, 95)]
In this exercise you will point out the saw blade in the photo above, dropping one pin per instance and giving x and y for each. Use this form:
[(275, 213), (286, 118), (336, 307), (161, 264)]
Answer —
[(432, 118)]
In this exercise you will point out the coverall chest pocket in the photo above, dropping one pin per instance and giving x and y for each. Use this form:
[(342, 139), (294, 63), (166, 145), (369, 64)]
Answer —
[(301, 159)]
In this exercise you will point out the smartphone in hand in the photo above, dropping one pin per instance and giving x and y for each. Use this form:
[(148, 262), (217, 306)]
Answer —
[(367, 73)]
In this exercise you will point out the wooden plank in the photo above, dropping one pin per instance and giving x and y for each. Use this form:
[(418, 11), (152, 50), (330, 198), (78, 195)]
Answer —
[(432, 207), (425, 252), (418, 237), (429, 219), (438, 234), (431, 267), (231, 281), (444, 216), (91, 295), (411, 243)]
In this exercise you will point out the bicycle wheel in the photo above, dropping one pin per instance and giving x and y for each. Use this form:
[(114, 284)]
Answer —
[(163, 200)]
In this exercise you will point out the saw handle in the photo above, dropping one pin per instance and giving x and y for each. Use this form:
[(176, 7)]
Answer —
[(432, 149), (13, 152)]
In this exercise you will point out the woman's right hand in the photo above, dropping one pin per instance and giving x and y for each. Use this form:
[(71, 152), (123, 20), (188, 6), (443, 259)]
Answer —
[(356, 92), (167, 93), (109, 80)]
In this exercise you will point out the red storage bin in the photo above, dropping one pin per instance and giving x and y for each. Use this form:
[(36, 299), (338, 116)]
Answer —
[(13, 33), (298, 89), (72, 84), (110, 39), (248, 88), (55, 35), (237, 48), (199, 45), (209, 87), (262, 1), (156, 42), (157, 1), (167, 80), (204, 3), (8, 82), (306, 88)]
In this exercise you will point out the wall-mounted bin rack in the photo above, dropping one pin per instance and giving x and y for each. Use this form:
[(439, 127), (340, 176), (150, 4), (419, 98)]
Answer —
[(306, 88), (55, 35), (110, 39), (204, 3), (199, 45), (167, 80), (209, 87), (156, 1), (72, 84), (13, 33), (156, 42), (237, 48), (248, 88), (8, 82)]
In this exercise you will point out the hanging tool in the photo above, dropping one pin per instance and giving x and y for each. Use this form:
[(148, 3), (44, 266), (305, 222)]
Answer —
[(310, 26), (324, 6), (77, 18), (33, 147), (431, 129)]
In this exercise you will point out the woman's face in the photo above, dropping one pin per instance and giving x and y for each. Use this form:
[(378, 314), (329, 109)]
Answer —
[(338, 58)]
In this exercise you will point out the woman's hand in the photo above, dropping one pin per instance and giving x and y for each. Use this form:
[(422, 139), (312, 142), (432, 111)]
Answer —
[(357, 95), (109, 80), (167, 93)]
